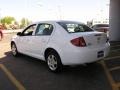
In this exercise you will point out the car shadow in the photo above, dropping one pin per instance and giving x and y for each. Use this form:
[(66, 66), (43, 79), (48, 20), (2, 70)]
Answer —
[(84, 70), (23, 58), (31, 72)]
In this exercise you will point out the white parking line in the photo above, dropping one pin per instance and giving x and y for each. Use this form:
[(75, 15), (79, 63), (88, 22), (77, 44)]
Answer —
[(115, 68), (115, 50), (109, 58), (115, 46), (115, 86)]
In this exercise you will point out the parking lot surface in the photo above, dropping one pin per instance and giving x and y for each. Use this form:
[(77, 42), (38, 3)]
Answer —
[(26, 73), (111, 66)]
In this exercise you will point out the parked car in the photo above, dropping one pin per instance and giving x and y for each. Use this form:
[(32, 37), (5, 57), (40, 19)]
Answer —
[(61, 43), (1, 35), (101, 28)]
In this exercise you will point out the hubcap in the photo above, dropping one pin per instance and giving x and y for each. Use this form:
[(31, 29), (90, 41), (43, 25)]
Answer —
[(52, 62), (14, 49)]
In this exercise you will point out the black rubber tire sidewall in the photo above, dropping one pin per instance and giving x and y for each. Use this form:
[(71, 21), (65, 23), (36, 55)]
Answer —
[(17, 54), (59, 64)]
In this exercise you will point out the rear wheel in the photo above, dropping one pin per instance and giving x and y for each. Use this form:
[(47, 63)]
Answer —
[(14, 49), (54, 61)]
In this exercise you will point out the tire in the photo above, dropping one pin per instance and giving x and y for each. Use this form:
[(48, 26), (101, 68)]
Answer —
[(53, 61), (14, 50)]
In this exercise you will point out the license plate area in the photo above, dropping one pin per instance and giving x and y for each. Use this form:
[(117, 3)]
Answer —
[(100, 54)]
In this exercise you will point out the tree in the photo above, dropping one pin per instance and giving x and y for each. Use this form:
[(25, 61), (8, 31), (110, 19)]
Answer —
[(7, 20), (24, 22)]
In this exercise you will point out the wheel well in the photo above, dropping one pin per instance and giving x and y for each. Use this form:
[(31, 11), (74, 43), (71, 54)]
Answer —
[(12, 43), (49, 50)]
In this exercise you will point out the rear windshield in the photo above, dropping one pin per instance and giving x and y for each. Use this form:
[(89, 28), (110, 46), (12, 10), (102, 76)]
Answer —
[(74, 27)]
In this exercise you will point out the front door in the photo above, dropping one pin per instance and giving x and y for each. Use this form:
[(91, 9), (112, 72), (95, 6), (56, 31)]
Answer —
[(25, 39)]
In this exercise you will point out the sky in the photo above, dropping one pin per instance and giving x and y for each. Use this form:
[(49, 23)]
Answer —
[(37, 10)]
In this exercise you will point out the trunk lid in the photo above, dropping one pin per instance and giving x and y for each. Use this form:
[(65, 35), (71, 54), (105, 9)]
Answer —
[(92, 38)]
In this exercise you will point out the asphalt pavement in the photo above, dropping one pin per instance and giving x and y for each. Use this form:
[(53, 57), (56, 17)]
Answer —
[(26, 73)]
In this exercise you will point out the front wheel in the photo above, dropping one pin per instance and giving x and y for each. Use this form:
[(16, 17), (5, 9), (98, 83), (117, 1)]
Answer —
[(54, 61), (14, 49)]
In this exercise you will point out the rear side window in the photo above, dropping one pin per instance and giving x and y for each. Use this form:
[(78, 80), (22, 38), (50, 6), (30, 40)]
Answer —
[(44, 29), (74, 27)]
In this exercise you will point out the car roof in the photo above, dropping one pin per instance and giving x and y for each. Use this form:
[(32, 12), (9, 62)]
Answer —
[(55, 21)]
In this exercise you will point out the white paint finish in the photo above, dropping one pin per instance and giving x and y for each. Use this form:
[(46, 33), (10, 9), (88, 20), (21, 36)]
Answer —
[(60, 40)]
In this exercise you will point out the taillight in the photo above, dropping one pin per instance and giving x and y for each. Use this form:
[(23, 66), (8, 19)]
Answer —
[(79, 42)]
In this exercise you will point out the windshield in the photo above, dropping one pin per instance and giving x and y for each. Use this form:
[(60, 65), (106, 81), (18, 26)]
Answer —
[(102, 25), (74, 27)]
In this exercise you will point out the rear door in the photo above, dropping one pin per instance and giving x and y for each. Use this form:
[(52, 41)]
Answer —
[(41, 38)]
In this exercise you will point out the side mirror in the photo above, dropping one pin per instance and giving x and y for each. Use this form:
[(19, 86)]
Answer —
[(19, 33)]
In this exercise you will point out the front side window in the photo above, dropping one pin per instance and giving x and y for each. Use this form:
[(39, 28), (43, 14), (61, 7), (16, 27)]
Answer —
[(74, 27), (44, 29), (29, 30)]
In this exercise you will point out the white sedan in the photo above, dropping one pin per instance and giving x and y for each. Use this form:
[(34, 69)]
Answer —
[(61, 43)]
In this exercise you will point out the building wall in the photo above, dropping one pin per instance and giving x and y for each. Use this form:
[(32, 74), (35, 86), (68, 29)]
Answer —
[(114, 20)]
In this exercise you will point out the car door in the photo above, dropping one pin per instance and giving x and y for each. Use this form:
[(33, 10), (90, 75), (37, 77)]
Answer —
[(25, 39), (41, 38)]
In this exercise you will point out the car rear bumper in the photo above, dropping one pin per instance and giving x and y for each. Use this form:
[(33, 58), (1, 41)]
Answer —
[(76, 57)]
